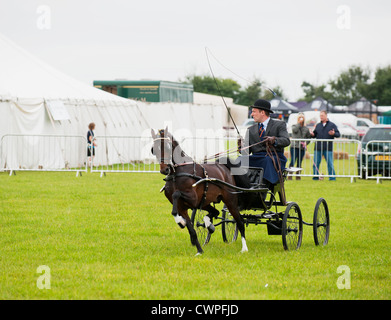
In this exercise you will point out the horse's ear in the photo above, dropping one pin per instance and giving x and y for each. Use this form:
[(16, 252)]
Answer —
[(153, 133), (166, 130)]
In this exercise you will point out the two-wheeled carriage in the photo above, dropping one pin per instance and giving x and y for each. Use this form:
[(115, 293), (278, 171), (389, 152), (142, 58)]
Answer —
[(287, 222), (199, 186)]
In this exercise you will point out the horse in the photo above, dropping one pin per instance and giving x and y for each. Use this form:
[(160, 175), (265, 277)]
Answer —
[(181, 173)]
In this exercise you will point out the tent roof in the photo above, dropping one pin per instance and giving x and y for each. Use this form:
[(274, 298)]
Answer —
[(318, 104), (278, 104), (362, 105), (24, 76)]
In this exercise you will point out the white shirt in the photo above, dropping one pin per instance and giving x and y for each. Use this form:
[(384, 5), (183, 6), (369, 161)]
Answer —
[(265, 123)]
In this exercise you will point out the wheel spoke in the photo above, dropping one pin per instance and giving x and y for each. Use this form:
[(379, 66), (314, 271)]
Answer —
[(292, 227)]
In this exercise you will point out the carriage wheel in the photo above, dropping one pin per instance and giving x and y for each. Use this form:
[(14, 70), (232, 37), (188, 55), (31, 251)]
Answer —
[(197, 219), (292, 227), (229, 227), (321, 223)]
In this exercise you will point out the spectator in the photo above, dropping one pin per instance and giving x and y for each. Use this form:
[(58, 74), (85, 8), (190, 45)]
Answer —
[(91, 142), (298, 148), (325, 129)]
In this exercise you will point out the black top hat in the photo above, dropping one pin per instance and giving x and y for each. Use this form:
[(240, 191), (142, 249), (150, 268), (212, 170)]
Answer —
[(263, 105)]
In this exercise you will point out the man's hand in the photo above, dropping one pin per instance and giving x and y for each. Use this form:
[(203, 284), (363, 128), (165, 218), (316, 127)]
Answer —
[(332, 132), (270, 140)]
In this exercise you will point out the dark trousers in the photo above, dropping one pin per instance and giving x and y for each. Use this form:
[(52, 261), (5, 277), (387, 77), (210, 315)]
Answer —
[(297, 156), (262, 160)]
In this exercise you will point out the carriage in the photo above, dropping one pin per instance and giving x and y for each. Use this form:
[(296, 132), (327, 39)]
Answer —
[(199, 186), (287, 222)]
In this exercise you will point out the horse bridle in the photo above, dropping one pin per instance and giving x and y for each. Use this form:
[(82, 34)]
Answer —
[(165, 159)]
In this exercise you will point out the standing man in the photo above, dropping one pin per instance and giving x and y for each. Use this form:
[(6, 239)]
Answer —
[(269, 131), (324, 130)]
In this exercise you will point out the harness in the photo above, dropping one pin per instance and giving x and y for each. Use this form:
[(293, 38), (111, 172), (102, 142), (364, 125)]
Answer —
[(173, 175)]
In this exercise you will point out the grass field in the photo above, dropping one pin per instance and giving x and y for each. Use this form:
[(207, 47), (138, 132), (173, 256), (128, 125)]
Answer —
[(114, 238)]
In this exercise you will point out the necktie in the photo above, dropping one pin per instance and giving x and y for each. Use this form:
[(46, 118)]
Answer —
[(261, 131)]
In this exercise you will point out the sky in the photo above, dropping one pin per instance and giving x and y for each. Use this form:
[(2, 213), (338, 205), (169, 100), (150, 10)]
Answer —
[(281, 42)]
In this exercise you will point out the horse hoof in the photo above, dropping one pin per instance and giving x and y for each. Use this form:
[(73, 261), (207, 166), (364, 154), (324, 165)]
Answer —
[(211, 228), (181, 225), (198, 253)]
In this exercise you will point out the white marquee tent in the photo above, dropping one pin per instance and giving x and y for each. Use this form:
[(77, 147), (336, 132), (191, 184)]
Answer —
[(36, 99)]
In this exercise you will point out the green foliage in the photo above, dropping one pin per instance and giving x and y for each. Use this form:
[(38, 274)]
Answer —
[(230, 88), (249, 94), (206, 84), (311, 91), (380, 89), (115, 238), (351, 85)]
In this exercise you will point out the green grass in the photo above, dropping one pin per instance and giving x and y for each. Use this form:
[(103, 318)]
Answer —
[(114, 238)]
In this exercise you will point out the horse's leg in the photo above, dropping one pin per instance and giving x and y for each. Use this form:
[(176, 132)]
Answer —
[(175, 212), (192, 233), (213, 213), (233, 209), (179, 211)]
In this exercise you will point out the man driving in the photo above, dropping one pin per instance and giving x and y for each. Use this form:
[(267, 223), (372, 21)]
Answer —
[(268, 131)]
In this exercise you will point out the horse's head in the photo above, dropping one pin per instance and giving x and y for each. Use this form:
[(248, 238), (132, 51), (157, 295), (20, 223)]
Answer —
[(162, 149)]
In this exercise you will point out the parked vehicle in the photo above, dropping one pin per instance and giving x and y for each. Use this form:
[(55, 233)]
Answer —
[(243, 128), (374, 157), (363, 125)]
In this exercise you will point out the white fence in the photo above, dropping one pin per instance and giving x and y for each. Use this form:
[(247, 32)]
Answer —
[(322, 158), (133, 154), (123, 154), (19, 152), (376, 160)]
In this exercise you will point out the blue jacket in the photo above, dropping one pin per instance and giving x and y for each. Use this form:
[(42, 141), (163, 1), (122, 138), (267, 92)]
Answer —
[(322, 132)]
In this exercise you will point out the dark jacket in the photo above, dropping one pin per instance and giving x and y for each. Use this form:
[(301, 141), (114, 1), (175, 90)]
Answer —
[(322, 132), (275, 128), (299, 132)]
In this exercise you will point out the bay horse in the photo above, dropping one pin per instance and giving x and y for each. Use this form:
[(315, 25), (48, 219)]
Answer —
[(181, 173)]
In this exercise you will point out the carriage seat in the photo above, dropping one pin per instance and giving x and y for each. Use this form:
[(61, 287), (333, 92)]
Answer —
[(255, 176)]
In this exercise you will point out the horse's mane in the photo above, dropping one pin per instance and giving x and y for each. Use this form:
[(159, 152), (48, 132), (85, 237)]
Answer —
[(175, 144)]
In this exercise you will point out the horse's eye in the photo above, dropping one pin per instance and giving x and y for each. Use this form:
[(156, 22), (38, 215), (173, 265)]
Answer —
[(152, 151)]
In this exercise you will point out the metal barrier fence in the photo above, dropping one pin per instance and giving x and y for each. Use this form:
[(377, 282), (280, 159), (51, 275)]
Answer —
[(20, 152), (321, 158), (133, 154), (376, 160), (123, 154)]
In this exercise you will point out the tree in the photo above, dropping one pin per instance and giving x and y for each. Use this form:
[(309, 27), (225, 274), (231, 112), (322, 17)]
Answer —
[(255, 91), (351, 84), (250, 93), (206, 84), (311, 91), (230, 88), (380, 88)]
